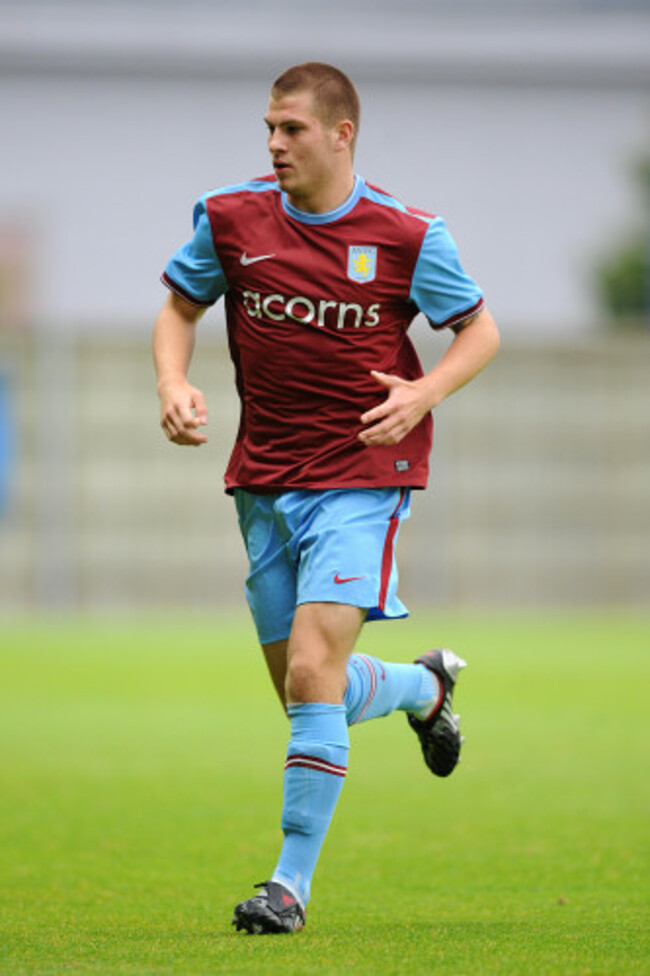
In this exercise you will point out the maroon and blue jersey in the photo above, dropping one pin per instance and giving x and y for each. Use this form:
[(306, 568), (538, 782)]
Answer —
[(313, 303)]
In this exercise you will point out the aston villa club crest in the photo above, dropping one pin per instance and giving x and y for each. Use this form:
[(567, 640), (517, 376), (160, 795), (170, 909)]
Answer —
[(362, 263)]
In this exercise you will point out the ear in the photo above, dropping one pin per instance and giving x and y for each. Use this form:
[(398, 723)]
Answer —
[(343, 135)]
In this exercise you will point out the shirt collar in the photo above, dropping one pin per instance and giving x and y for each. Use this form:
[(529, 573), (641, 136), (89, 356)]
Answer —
[(331, 215)]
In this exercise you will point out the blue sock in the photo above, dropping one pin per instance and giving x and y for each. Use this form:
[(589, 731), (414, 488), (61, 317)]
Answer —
[(317, 760), (376, 688)]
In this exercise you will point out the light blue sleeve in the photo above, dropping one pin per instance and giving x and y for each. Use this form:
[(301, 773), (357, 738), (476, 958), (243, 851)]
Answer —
[(440, 287), (194, 271)]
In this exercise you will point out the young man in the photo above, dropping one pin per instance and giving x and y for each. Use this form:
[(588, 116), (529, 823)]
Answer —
[(322, 275)]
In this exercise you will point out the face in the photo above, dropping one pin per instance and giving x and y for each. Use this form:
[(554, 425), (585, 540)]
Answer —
[(307, 155)]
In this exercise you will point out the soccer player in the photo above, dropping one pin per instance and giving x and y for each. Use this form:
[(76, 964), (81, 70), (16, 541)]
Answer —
[(322, 274)]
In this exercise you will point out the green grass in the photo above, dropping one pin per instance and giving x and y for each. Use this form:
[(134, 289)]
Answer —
[(140, 789)]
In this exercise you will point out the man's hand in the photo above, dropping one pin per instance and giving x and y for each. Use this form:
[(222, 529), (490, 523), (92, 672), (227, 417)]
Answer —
[(182, 412), (475, 343), (182, 406), (405, 406)]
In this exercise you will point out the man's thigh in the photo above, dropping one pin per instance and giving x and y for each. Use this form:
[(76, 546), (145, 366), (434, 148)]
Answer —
[(320, 547), (272, 578), (346, 551), (322, 638)]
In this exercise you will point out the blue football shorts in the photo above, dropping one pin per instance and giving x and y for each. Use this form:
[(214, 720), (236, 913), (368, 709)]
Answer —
[(330, 546)]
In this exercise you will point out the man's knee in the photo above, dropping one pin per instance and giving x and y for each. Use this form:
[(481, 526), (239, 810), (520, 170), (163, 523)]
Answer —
[(315, 677), (306, 676), (322, 638)]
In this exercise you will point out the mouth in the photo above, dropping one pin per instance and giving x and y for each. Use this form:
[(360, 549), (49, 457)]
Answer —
[(281, 168)]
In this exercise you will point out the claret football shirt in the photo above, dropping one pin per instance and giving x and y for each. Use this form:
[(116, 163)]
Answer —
[(313, 303)]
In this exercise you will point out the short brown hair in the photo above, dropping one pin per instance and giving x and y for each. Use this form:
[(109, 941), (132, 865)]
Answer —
[(335, 97)]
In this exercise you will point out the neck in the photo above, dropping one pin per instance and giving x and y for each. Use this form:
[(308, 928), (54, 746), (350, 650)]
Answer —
[(324, 199)]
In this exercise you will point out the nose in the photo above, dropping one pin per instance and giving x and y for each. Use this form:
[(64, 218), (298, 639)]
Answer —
[(275, 141)]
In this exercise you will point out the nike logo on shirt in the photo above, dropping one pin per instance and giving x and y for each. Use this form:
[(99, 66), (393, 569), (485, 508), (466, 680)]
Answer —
[(245, 260), (347, 579)]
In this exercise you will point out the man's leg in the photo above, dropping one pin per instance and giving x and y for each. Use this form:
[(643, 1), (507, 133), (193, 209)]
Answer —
[(317, 754), (275, 655), (375, 688), (424, 690), (322, 637), (314, 544), (365, 540)]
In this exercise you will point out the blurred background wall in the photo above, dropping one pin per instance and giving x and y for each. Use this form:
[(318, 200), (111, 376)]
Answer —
[(525, 124)]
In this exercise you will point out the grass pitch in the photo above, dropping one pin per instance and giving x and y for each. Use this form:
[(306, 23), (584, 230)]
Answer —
[(140, 791)]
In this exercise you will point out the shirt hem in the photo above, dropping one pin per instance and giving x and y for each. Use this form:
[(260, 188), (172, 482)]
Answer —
[(169, 283), (460, 316), (277, 489)]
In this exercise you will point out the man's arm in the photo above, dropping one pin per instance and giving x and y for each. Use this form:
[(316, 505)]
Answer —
[(182, 406), (476, 343)]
